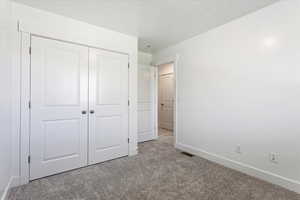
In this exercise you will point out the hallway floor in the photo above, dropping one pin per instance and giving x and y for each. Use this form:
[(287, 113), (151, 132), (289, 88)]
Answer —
[(158, 172), (164, 132)]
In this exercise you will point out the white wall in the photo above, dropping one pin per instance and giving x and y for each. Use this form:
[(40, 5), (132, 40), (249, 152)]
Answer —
[(239, 84), (144, 58), (50, 25), (5, 97)]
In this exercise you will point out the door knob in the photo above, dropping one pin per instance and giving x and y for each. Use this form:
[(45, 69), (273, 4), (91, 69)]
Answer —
[(83, 112), (162, 104), (92, 111)]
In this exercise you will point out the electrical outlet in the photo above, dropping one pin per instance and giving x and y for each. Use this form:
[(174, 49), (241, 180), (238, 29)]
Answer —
[(238, 149), (273, 158)]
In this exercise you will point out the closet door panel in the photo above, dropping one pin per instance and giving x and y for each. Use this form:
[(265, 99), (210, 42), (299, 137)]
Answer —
[(59, 94), (108, 97)]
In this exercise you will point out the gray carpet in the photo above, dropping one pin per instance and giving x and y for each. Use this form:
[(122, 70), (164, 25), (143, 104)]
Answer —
[(159, 172)]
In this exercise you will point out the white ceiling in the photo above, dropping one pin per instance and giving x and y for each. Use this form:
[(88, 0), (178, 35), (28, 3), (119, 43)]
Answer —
[(159, 23)]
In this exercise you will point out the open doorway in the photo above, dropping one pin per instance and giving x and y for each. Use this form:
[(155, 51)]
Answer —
[(156, 99), (166, 95)]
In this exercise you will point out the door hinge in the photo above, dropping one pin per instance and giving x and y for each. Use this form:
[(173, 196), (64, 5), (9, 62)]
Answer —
[(128, 103), (29, 50), (128, 140), (29, 159), (128, 65), (29, 104)]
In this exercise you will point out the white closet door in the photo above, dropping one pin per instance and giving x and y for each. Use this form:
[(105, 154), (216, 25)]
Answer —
[(108, 97), (59, 94), (146, 103)]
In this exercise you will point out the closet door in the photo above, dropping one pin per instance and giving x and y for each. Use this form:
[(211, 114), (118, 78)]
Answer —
[(108, 102), (59, 99)]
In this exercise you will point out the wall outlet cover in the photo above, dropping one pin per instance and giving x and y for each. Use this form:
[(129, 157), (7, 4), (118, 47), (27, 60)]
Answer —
[(273, 157)]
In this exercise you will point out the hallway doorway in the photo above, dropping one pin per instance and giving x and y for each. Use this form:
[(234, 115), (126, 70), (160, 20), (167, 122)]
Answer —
[(166, 99)]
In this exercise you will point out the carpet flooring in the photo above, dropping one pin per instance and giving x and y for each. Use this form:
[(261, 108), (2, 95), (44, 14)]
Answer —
[(164, 132), (158, 172)]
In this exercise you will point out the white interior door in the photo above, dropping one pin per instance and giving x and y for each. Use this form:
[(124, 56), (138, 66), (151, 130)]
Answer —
[(59, 94), (108, 96), (166, 101), (146, 103)]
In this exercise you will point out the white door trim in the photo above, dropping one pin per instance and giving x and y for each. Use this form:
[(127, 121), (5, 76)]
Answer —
[(174, 60), (24, 135), (155, 106), (25, 112)]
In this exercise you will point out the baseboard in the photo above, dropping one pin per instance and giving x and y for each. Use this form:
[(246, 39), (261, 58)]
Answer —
[(13, 181), (133, 152), (287, 183)]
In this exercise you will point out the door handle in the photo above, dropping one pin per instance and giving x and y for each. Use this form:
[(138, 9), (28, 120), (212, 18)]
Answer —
[(92, 111), (162, 104), (83, 112)]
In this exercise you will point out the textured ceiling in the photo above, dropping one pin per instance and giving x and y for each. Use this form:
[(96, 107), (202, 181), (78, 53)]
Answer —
[(159, 23)]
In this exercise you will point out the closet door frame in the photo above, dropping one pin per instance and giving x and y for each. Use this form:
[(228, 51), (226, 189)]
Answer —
[(24, 109)]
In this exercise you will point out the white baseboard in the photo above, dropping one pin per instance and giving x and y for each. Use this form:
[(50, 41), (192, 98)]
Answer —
[(133, 152), (287, 183), (13, 182)]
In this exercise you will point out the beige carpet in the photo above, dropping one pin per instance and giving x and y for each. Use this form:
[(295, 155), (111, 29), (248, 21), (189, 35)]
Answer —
[(158, 172), (164, 132)]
